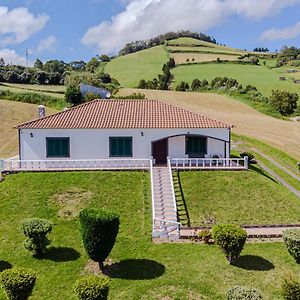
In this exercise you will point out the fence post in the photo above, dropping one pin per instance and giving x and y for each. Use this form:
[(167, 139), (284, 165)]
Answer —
[(1, 168), (246, 164)]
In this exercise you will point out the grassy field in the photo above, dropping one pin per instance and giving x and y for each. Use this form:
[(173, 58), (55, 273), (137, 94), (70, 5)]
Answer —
[(263, 78), (47, 90), (252, 198), (130, 69), (11, 114), (181, 58), (284, 135), (144, 270)]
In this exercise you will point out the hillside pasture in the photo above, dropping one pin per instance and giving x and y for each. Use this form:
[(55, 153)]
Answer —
[(263, 78), (131, 68), (12, 114), (140, 269), (284, 135), (181, 58)]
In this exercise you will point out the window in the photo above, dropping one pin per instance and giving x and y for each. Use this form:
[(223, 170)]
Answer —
[(120, 146), (196, 146), (58, 147)]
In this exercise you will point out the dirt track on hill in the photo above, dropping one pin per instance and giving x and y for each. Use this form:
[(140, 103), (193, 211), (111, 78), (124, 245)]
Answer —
[(11, 114), (285, 135)]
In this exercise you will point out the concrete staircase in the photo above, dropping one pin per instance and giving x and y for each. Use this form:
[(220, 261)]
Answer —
[(165, 223)]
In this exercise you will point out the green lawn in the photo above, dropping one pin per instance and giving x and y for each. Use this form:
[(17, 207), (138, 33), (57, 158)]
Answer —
[(263, 78), (250, 197), (130, 69), (146, 270)]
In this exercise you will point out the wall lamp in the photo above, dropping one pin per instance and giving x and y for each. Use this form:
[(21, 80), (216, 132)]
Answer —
[(142, 133), (31, 134)]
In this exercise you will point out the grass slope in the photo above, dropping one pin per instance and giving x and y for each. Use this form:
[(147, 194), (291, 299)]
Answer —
[(252, 198), (163, 272), (11, 114), (261, 77), (284, 135), (130, 69)]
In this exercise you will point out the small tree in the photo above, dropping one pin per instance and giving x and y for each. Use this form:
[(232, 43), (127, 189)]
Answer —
[(91, 288), (142, 84), (290, 289), (244, 293), (99, 230), (196, 85), (104, 58), (182, 86), (36, 231), (291, 238), (73, 95), (231, 239), (284, 102), (17, 283)]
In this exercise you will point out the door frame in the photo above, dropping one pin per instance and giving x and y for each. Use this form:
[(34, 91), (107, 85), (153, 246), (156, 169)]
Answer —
[(167, 146)]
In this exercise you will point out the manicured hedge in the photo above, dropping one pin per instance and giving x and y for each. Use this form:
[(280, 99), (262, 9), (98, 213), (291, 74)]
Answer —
[(291, 239)]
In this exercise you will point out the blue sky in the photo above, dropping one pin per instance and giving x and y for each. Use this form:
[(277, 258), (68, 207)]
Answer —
[(77, 30)]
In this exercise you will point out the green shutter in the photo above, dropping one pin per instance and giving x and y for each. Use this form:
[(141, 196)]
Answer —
[(196, 146), (120, 146), (58, 147)]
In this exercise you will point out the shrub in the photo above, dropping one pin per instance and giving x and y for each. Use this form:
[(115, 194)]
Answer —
[(284, 102), (251, 157), (99, 229), (73, 95), (91, 287), (244, 293), (17, 283), (290, 289), (291, 239), (231, 239), (182, 86), (36, 231), (205, 235)]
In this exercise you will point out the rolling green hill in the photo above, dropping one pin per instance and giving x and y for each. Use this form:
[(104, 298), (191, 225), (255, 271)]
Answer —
[(146, 64)]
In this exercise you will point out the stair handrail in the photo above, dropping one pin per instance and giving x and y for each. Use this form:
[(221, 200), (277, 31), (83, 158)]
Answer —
[(152, 191)]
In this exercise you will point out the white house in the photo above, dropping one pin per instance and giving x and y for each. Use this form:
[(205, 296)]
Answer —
[(123, 129)]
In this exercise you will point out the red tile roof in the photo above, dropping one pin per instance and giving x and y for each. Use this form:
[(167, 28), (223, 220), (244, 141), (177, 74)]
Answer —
[(124, 114)]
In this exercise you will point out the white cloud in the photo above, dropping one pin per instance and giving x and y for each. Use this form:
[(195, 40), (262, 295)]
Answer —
[(143, 19), (45, 45), (18, 24), (11, 57), (286, 33)]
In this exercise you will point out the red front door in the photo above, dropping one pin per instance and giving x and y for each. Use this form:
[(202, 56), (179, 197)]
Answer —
[(160, 151)]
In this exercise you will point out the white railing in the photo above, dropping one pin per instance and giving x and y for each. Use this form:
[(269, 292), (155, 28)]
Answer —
[(12, 165), (172, 185), (152, 193), (210, 163)]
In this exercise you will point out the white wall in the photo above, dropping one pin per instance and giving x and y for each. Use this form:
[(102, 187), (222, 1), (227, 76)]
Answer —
[(94, 143)]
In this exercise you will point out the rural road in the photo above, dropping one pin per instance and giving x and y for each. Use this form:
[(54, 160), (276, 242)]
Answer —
[(285, 135)]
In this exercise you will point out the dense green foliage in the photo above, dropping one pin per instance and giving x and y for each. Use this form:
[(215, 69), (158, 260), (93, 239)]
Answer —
[(36, 231), (91, 288), (231, 239), (18, 283), (251, 157), (161, 39), (244, 293), (99, 229), (291, 239), (291, 289), (73, 95), (284, 102), (288, 55)]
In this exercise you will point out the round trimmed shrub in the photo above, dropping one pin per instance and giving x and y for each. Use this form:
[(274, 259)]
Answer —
[(231, 239), (91, 288), (290, 289), (18, 283), (244, 293), (291, 239), (36, 231), (99, 230)]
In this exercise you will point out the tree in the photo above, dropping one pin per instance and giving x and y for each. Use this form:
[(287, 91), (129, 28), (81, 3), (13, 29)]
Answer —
[(171, 63), (99, 230), (182, 86), (38, 64), (77, 65), (36, 231), (55, 78), (196, 85), (41, 77), (104, 58), (231, 239), (142, 84), (284, 102), (11, 76), (73, 95), (2, 62), (104, 78), (291, 238), (92, 65), (25, 77)]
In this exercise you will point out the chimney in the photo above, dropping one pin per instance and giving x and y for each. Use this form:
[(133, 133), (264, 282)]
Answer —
[(42, 111)]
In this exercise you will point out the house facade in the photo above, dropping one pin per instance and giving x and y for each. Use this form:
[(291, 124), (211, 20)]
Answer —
[(124, 129)]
